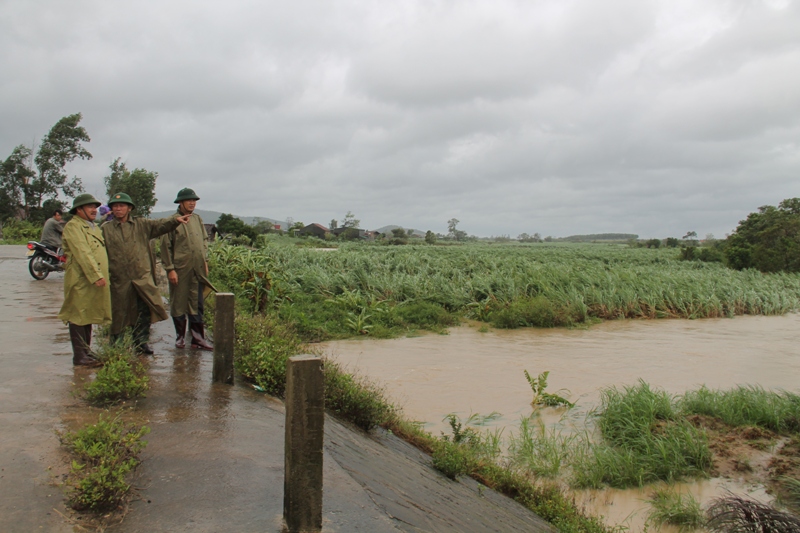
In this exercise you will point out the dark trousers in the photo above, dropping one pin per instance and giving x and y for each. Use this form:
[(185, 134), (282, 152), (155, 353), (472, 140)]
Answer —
[(140, 330), (198, 318)]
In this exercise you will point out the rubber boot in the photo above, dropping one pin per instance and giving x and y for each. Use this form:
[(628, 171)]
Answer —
[(198, 337), (180, 331), (141, 330), (81, 339)]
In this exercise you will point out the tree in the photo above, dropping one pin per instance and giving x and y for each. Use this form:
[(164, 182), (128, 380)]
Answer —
[(139, 184), (26, 189), (672, 242), (350, 221), (451, 226), (16, 176), (263, 226), (768, 240), (453, 231), (334, 224), (690, 239), (230, 225), (430, 237)]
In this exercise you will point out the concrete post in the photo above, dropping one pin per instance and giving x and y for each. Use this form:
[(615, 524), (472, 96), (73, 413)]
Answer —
[(305, 419), (223, 339)]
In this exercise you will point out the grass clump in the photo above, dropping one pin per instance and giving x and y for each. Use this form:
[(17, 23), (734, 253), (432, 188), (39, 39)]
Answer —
[(749, 405), (643, 441), (541, 452), (104, 454), (122, 377), (355, 398), (673, 508)]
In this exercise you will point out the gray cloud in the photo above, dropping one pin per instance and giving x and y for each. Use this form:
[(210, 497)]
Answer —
[(651, 117)]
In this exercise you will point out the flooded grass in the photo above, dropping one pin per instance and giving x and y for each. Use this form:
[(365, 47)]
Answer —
[(746, 406), (366, 290), (671, 507)]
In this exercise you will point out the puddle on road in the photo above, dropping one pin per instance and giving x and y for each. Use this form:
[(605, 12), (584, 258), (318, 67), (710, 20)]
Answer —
[(469, 372)]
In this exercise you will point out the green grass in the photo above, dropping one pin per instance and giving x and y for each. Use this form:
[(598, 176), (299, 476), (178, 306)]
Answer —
[(355, 398), (363, 289), (644, 440), (122, 377), (538, 450), (671, 507), (104, 456), (746, 406)]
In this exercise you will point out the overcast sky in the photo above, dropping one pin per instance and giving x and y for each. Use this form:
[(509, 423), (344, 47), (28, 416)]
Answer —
[(558, 117)]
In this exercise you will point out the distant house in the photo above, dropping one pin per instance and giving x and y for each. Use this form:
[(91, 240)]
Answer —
[(351, 233), (211, 230), (313, 230)]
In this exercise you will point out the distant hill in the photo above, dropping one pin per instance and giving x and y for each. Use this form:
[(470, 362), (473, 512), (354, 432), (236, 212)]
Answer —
[(598, 237), (388, 230), (211, 217)]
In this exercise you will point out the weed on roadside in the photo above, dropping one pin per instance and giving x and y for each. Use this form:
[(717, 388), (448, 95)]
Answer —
[(122, 377), (104, 455)]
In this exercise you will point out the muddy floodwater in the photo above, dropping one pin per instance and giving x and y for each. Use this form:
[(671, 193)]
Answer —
[(468, 371)]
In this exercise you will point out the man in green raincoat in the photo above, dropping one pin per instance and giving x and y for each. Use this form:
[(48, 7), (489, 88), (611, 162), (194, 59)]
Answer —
[(135, 299), (184, 253), (87, 299)]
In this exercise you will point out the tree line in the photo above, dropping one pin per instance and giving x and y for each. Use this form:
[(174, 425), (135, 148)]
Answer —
[(34, 181)]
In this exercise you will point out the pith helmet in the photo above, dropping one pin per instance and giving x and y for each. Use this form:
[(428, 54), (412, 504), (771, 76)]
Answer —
[(121, 198), (186, 194), (83, 199)]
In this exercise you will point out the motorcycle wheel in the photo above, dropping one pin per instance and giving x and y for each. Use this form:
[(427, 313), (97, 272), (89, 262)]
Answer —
[(36, 268)]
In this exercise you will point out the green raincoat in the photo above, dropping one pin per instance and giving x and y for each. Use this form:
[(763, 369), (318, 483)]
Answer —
[(87, 262), (185, 250), (132, 268)]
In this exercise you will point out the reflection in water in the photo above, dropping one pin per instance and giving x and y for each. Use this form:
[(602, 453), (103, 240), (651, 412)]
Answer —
[(470, 372)]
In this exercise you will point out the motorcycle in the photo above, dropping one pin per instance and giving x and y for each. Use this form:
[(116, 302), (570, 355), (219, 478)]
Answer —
[(44, 260)]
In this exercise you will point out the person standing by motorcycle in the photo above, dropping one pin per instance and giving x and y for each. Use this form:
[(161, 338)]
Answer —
[(53, 230), (135, 299), (87, 298), (184, 253)]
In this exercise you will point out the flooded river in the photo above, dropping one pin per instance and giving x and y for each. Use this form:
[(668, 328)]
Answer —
[(468, 371)]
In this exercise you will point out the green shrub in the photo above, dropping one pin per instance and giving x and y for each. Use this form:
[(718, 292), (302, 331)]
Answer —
[(537, 312), (20, 231), (425, 314), (263, 345), (122, 377), (355, 398), (105, 454)]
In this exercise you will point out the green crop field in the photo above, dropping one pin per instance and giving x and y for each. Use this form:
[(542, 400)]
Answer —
[(363, 289)]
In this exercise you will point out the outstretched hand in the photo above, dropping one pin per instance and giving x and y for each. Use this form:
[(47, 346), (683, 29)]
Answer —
[(184, 218)]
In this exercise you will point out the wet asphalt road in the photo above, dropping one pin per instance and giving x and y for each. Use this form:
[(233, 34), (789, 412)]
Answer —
[(214, 459), (35, 384)]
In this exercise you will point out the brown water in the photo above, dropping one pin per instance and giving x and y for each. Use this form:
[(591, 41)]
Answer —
[(467, 372)]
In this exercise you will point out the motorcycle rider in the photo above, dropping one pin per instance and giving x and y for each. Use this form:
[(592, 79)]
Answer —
[(87, 298), (52, 231)]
